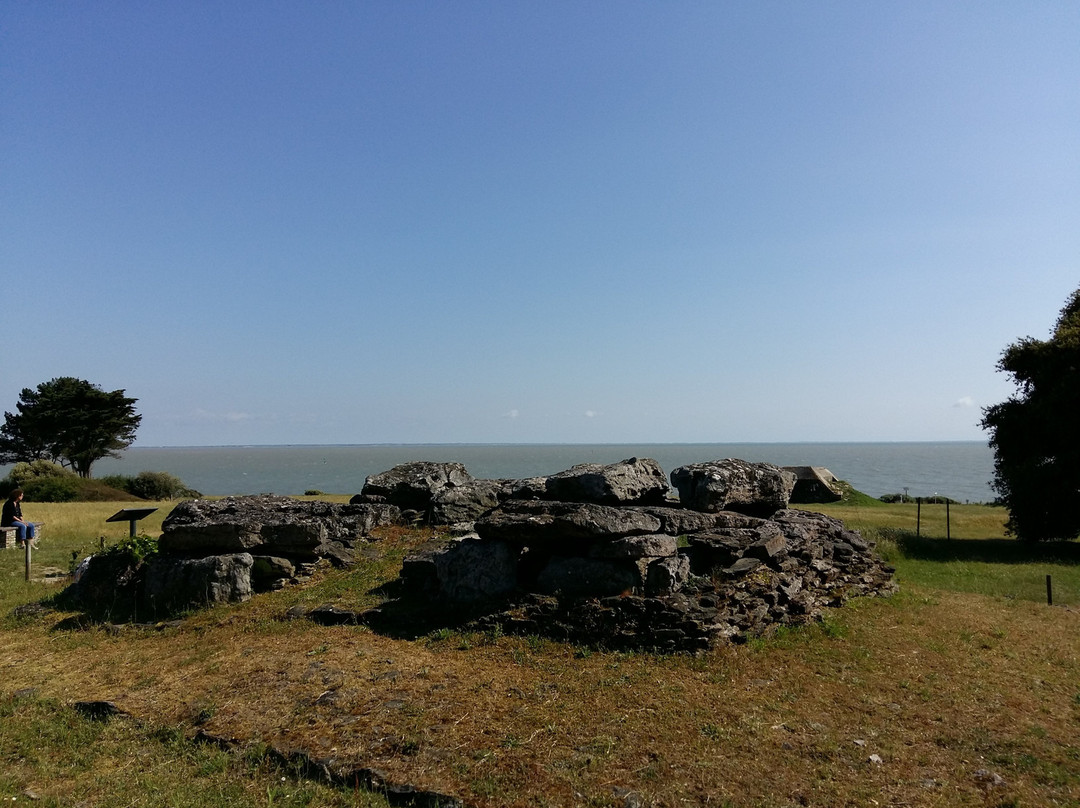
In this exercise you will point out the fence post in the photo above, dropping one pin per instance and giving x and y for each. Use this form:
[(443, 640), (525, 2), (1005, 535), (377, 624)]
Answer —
[(918, 516), (948, 530), (1049, 592), (26, 545)]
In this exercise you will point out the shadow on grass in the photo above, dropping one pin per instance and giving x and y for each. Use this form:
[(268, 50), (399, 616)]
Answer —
[(408, 615), (989, 551)]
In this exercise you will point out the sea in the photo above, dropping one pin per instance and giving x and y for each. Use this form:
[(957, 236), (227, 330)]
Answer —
[(959, 470)]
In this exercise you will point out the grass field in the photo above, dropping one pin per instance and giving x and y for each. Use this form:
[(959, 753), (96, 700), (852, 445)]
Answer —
[(963, 689)]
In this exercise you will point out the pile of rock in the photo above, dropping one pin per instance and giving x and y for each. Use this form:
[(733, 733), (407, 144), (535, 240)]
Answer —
[(225, 550), (604, 554), (446, 494)]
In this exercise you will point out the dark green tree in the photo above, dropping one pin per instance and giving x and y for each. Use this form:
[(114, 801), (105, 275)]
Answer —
[(1035, 434), (69, 421)]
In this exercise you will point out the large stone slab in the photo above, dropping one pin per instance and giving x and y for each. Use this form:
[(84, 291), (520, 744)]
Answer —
[(467, 502), (269, 525), (412, 486), (806, 529), (176, 584), (555, 524), (473, 570), (667, 575), (656, 545), (629, 482), (683, 522), (758, 489)]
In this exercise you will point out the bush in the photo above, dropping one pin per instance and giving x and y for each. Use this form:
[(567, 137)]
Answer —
[(132, 550), (45, 481), (118, 481), (52, 489), (937, 499), (22, 473), (155, 485), (69, 488)]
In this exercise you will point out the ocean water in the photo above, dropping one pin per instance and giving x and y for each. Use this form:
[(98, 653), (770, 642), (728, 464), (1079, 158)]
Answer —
[(960, 470)]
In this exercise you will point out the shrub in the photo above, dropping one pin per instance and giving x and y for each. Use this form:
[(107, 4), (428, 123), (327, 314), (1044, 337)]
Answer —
[(132, 550), (118, 481), (52, 489), (937, 499), (22, 473), (314, 492), (155, 485)]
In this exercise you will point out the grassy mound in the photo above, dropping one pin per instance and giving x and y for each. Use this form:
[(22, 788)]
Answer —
[(852, 496)]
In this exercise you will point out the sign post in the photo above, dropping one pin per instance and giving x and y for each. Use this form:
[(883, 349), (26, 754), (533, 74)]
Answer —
[(131, 515)]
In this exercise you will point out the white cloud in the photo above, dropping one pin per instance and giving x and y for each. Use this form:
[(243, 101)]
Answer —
[(965, 401), (511, 414), (228, 417), (590, 413)]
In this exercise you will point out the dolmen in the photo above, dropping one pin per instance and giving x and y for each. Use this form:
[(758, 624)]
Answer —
[(610, 555), (223, 551)]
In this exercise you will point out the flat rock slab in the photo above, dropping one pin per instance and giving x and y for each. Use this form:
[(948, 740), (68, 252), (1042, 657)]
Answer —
[(269, 525), (628, 482), (758, 489), (412, 486), (541, 524), (466, 502), (174, 584)]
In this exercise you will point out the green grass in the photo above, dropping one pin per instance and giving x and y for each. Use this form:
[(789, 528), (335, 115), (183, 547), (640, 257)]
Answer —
[(976, 557)]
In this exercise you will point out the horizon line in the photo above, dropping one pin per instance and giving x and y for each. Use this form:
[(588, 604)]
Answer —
[(388, 444)]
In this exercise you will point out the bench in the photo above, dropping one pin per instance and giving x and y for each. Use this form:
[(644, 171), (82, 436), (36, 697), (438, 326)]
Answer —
[(8, 534)]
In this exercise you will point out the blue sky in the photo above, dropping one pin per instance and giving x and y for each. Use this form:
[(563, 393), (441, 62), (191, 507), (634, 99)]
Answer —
[(283, 223)]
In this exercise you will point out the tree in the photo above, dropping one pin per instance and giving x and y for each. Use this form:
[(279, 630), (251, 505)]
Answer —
[(1035, 434), (70, 421)]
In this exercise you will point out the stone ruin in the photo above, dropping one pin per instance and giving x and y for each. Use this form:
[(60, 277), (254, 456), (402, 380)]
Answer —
[(598, 554), (605, 554), (221, 551)]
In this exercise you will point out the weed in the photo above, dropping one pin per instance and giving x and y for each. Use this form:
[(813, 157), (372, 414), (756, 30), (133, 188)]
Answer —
[(712, 732)]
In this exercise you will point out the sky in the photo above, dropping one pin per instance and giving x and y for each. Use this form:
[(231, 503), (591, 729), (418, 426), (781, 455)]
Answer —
[(500, 222)]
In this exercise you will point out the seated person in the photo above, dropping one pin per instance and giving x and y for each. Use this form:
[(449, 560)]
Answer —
[(12, 517)]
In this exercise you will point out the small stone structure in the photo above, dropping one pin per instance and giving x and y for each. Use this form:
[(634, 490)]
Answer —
[(221, 551), (814, 484), (601, 554)]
